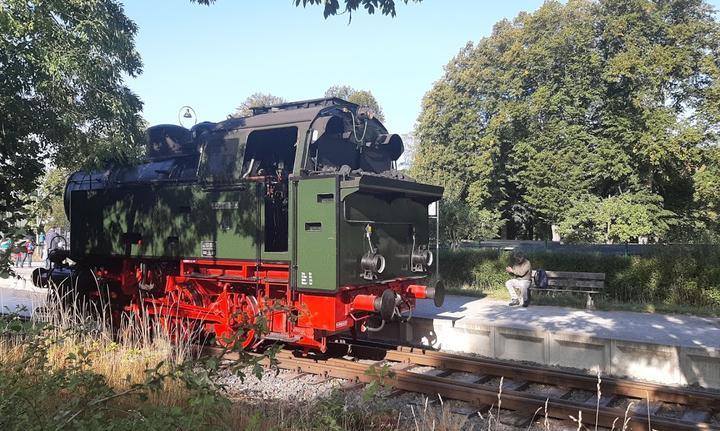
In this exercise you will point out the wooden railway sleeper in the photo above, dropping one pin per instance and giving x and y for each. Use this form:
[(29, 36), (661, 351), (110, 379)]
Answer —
[(482, 395)]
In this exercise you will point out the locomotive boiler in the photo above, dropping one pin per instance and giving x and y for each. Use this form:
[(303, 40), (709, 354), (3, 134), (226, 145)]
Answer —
[(296, 214)]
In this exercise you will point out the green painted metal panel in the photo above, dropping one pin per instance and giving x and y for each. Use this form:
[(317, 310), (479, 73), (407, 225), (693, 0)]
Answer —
[(317, 234), (225, 220), (236, 228), (170, 221)]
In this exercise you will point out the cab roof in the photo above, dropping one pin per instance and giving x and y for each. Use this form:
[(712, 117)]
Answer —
[(285, 113)]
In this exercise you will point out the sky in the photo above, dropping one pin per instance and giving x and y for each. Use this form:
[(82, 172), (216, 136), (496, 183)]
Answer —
[(212, 58)]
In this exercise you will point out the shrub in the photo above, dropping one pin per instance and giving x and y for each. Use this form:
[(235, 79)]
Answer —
[(687, 277)]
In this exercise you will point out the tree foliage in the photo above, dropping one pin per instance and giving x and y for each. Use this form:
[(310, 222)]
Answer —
[(62, 94), (363, 98), (256, 100), (616, 219), (707, 186), (337, 7), (580, 115), (47, 202)]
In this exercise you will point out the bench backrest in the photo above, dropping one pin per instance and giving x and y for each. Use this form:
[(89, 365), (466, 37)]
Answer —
[(584, 280)]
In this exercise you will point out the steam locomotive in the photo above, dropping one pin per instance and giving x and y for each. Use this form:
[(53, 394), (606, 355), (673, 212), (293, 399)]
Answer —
[(295, 214)]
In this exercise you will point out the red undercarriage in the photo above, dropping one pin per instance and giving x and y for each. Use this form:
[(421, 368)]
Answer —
[(231, 299)]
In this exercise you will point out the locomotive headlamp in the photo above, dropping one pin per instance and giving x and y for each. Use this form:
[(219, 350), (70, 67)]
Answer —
[(187, 114), (372, 264), (422, 258)]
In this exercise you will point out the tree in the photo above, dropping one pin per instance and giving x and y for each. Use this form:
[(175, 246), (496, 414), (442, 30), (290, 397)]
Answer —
[(405, 160), (47, 202), (616, 219), (333, 7), (256, 100), (587, 103), (461, 223), (359, 97), (706, 194), (62, 91)]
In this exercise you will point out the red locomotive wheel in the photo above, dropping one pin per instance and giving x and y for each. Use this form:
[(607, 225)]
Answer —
[(180, 329), (242, 319)]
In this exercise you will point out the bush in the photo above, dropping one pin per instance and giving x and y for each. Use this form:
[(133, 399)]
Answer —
[(687, 277)]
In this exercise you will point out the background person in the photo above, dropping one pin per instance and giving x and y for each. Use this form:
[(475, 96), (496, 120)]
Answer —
[(5, 245), (522, 270), (52, 233), (29, 251), (19, 252)]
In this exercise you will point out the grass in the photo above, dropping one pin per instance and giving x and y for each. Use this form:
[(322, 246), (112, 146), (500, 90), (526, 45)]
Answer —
[(73, 375), (68, 370)]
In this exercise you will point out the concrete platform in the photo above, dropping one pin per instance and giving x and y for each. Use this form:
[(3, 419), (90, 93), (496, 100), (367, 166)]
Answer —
[(670, 349)]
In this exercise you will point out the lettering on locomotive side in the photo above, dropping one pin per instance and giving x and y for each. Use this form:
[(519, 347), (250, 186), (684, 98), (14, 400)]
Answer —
[(306, 279), (207, 248), (229, 205)]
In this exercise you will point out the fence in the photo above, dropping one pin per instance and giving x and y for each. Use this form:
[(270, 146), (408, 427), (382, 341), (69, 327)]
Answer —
[(552, 246)]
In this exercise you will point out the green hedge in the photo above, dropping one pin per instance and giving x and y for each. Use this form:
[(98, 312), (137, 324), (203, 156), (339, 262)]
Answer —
[(679, 277)]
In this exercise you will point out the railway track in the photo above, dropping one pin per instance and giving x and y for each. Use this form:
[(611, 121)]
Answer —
[(526, 390)]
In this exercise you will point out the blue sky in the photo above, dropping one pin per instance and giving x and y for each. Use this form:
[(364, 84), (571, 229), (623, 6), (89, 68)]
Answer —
[(212, 58)]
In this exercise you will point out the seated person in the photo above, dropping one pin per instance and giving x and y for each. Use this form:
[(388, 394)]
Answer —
[(522, 270)]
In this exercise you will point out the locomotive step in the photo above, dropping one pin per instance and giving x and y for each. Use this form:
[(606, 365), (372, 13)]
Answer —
[(277, 336)]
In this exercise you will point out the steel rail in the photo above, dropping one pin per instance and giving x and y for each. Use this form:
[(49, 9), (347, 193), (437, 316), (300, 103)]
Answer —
[(484, 396), (628, 388), (480, 395)]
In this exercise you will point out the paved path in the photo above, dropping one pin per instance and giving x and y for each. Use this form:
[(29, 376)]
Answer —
[(19, 294), (677, 330)]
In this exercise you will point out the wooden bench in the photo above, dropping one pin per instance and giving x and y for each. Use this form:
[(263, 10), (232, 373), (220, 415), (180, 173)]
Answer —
[(589, 283)]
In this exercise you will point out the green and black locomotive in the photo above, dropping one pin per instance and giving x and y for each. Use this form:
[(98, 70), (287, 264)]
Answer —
[(296, 213)]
